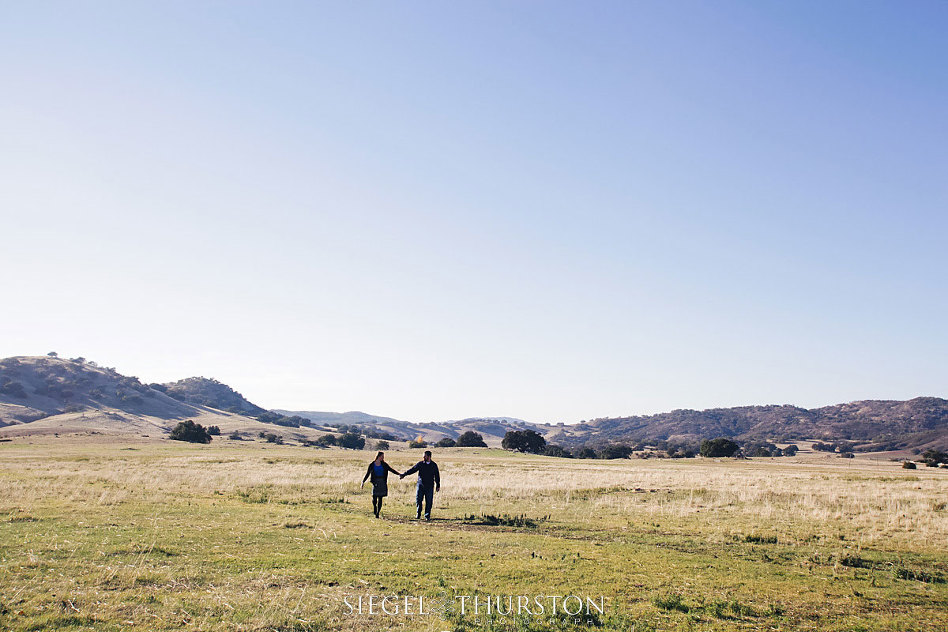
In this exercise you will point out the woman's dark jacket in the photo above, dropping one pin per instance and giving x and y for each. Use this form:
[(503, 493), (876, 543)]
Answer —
[(370, 473)]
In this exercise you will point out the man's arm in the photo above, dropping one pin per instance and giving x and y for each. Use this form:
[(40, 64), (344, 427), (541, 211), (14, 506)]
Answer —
[(413, 469)]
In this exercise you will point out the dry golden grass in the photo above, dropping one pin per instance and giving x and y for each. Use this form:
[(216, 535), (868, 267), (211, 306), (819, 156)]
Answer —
[(275, 526)]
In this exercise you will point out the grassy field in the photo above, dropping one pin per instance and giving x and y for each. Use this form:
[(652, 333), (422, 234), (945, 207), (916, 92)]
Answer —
[(154, 535)]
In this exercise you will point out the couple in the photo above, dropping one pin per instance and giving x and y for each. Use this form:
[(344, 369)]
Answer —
[(429, 481)]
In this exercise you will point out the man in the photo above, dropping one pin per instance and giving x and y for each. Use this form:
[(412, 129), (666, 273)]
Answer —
[(429, 482)]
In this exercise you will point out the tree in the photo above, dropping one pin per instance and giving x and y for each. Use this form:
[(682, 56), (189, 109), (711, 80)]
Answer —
[(351, 440), (524, 441), (471, 439), (446, 442), (719, 447), (418, 443), (191, 432), (791, 450), (381, 445), (614, 451), (555, 450), (586, 453), (53, 354), (214, 431)]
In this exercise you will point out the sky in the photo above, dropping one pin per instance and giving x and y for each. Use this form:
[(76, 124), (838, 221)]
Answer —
[(555, 211)]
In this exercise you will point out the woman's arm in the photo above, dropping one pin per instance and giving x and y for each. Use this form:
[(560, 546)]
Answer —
[(391, 469), (368, 473)]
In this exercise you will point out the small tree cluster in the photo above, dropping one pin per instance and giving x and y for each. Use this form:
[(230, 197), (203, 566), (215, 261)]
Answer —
[(191, 432), (418, 443), (270, 417), (934, 458), (269, 437), (446, 442)]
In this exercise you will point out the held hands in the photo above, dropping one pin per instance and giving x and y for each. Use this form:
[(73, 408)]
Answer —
[(438, 487)]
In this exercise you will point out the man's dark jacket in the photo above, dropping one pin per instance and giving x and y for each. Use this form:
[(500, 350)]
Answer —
[(427, 473)]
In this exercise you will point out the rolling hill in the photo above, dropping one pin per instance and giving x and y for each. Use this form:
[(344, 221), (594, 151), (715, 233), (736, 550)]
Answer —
[(51, 395), (54, 394)]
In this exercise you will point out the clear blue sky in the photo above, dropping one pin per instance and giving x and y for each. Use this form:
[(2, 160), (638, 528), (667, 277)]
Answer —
[(432, 210)]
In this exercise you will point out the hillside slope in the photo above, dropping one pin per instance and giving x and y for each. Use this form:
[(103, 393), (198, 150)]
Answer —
[(204, 391)]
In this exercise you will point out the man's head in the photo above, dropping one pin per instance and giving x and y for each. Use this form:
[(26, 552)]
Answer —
[(427, 456)]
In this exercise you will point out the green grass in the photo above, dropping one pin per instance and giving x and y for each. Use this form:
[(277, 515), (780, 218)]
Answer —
[(251, 537)]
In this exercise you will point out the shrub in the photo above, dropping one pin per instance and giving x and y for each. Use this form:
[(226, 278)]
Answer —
[(471, 439), (418, 443), (446, 442), (791, 450), (381, 445), (719, 447), (908, 465), (191, 432), (236, 436), (214, 431)]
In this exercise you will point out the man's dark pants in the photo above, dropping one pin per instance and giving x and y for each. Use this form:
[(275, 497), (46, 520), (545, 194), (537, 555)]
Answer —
[(425, 493)]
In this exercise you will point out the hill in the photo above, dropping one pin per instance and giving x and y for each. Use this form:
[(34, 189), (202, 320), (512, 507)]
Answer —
[(873, 424), (33, 388), (51, 395), (209, 392)]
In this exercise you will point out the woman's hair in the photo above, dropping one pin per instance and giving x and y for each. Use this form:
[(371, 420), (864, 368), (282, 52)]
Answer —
[(380, 455)]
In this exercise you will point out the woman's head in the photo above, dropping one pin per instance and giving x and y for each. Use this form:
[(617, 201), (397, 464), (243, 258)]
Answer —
[(380, 456)]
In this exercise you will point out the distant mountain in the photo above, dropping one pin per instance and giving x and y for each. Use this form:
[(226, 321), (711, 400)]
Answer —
[(334, 419), (492, 429), (876, 424), (209, 392)]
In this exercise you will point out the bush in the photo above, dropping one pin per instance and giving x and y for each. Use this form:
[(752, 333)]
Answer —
[(719, 447), (236, 436), (381, 445), (446, 442), (191, 432), (908, 465), (214, 431), (418, 443), (471, 439), (524, 441), (791, 450)]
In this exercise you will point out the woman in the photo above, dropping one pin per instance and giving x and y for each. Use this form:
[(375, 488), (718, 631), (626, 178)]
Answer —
[(378, 471)]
